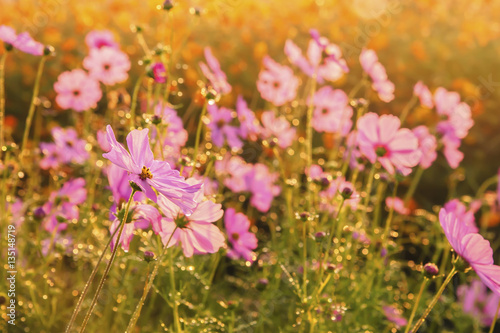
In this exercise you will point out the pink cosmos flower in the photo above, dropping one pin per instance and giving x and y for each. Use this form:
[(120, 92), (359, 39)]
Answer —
[(102, 140), (63, 205), (120, 186), (477, 302), (424, 94), (140, 217), (242, 240), (76, 90), (276, 82), (376, 71), (174, 136), (25, 43), (472, 247), (108, 65), (197, 233), (381, 139), (158, 72), (7, 34), (451, 152), (96, 39), (394, 315), (220, 127), (397, 204), (260, 182), (234, 170), (67, 148), (332, 112), (427, 144), (278, 128), (214, 73), (249, 125), (149, 173), (323, 58), (461, 213)]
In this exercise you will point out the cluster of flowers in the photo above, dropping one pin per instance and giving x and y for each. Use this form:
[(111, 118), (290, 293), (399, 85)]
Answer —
[(66, 148)]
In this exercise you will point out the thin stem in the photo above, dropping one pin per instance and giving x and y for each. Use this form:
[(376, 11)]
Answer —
[(434, 300), (407, 108), (417, 302), (309, 144), (492, 328), (32, 108), (369, 185), (389, 218), (413, 185), (197, 139), (177, 325), (108, 266), (89, 282), (135, 95), (2, 100), (147, 287)]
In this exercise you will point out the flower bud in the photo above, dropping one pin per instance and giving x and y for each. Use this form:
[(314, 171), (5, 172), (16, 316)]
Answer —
[(430, 270), (49, 50), (346, 193), (167, 5), (319, 236), (148, 256), (39, 213)]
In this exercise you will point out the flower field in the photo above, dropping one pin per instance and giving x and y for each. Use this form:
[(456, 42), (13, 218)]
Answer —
[(250, 166)]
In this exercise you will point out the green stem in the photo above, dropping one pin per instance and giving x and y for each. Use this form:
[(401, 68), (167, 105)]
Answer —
[(309, 143), (369, 185), (413, 186), (197, 139), (2, 100), (492, 328), (389, 218), (407, 108), (89, 282), (108, 266), (177, 325), (147, 287), (434, 300), (135, 95), (32, 108), (415, 306)]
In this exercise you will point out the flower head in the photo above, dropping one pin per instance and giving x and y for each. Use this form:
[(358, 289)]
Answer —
[(77, 90), (214, 73), (249, 125), (394, 315), (472, 247), (7, 34), (376, 71), (332, 112), (96, 39), (276, 82), (196, 233), (108, 65), (277, 128), (24, 42), (149, 173), (242, 240), (67, 148), (221, 129), (424, 94), (158, 72), (427, 144), (381, 139), (477, 302)]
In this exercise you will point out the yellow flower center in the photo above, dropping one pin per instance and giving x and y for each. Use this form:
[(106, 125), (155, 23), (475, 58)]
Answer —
[(145, 173)]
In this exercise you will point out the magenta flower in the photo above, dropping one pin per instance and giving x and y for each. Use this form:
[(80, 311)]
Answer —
[(96, 39), (427, 144), (25, 43), (102, 140), (176, 136), (332, 112), (276, 82), (424, 94), (67, 148), (249, 125), (234, 169), (376, 71), (196, 233), (260, 182), (220, 127), (158, 72), (7, 34), (120, 186), (462, 214), (140, 217), (63, 205), (277, 128), (108, 65), (381, 139), (76, 90), (451, 152), (472, 247), (477, 302), (214, 73), (394, 315), (323, 58), (149, 173), (242, 240)]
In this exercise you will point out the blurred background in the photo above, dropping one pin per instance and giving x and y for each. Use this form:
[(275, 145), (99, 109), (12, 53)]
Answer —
[(449, 43)]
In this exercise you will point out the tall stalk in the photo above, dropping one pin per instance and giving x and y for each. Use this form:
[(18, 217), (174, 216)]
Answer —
[(32, 108), (197, 139), (2, 101), (417, 302), (110, 263)]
